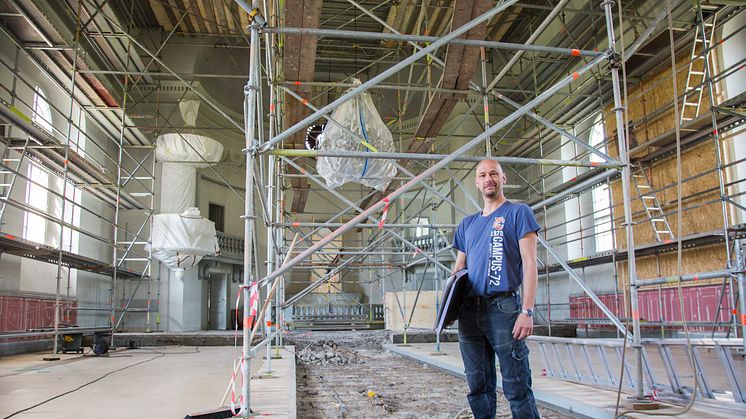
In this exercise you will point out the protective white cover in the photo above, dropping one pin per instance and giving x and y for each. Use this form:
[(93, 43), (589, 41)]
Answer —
[(181, 241), (189, 110), (360, 116), (178, 187), (174, 148)]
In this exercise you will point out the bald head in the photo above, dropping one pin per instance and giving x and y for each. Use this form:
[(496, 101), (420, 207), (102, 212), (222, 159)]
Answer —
[(489, 164)]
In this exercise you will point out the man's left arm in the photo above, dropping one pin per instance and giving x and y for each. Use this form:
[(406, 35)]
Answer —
[(524, 325)]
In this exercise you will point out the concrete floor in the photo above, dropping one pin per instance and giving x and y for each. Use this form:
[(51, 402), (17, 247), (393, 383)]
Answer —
[(171, 381), (581, 400), (149, 382)]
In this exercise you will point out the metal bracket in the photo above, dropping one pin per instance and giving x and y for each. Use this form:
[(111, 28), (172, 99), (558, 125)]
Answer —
[(614, 58), (256, 18)]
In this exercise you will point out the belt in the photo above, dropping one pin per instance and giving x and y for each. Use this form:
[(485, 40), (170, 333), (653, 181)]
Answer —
[(488, 300)]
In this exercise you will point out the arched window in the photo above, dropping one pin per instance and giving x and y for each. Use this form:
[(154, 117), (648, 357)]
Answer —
[(42, 114), (601, 201), (35, 226), (77, 131)]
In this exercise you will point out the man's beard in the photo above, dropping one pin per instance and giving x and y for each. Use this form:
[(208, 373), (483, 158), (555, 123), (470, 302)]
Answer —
[(494, 194)]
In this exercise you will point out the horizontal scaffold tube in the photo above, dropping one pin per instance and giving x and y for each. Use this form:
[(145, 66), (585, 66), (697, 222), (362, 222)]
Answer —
[(427, 173), (434, 157), (365, 225), (331, 33), (684, 278)]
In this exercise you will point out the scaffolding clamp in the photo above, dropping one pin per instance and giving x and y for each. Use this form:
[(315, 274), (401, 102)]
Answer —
[(256, 18), (615, 59)]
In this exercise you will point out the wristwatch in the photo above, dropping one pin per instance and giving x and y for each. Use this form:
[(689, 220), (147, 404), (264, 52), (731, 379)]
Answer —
[(528, 311)]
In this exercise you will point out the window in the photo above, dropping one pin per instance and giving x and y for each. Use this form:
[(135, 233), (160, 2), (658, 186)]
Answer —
[(77, 132), (421, 231), (42, 114), (71, 237), (601, 201), (216, 214), (35, 226)]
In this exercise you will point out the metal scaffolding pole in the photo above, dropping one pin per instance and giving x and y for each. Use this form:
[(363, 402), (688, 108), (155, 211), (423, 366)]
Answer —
[(251, 117), (434, 157), (58, 277), (615, 64), (386, 74), (117, 209), (430, 171), (741, 276), (706, 43), (428, 39), (365, 225)]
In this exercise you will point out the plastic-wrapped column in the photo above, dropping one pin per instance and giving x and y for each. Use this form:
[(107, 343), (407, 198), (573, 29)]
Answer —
[(180, 236)]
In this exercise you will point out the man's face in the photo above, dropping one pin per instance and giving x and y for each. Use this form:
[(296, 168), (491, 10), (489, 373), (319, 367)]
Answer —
[(490, 179)]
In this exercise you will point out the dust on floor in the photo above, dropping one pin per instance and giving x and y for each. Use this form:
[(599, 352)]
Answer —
[(338, 377)]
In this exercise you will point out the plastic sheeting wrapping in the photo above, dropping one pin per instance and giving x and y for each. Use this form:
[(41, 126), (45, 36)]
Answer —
[(180, 237), (179, 187), (359, 116), (193, 149), (189, 110), (181, 240)]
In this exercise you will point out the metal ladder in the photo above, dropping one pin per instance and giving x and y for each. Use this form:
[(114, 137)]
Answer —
[(695, 78), (597, 363), (652, 206), (9, 175)]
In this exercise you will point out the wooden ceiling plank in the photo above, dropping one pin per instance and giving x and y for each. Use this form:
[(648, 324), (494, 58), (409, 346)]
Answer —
[(161, 15), (219, 12), (228, 18), (243, 18), (307, 61), (207, 17), (191, 10)]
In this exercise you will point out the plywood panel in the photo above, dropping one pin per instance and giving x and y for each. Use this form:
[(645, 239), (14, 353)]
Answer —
[(698, 259), (424, 313), (651, 114)]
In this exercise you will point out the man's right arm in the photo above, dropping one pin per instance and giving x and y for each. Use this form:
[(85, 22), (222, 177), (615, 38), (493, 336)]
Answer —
[(460, 262)]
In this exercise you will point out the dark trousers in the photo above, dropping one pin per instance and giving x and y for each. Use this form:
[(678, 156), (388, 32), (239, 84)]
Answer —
[(485, 329)]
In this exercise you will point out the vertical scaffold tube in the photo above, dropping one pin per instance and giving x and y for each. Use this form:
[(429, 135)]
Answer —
[(250, 94), (616, 63)]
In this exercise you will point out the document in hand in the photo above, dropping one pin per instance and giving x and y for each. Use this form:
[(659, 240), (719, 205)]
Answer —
[(450, 303)]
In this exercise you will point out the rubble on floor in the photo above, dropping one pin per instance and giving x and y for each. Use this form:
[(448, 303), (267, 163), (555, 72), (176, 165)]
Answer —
[(382, 384), (328, 352)]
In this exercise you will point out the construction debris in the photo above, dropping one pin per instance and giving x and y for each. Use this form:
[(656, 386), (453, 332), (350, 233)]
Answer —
[(328, 352), (372, 382)]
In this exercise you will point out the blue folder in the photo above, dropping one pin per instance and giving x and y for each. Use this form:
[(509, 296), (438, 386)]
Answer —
[(453, 296)]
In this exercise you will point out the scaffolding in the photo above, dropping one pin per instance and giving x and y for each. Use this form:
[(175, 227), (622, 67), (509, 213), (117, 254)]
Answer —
[(570, 85)]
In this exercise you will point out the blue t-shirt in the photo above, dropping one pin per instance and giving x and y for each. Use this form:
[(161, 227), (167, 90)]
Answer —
[(493, 257)]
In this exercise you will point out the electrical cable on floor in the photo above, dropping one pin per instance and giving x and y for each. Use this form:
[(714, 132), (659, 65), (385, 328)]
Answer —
[(679, 226), (461, 412), (342, 405), (161, 355)]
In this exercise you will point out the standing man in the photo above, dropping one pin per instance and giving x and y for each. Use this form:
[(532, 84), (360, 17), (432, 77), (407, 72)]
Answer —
[(497, 246)]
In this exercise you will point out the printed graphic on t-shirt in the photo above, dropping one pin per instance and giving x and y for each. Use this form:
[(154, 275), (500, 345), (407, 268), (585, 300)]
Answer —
[(495, 267)]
